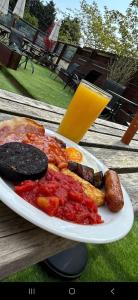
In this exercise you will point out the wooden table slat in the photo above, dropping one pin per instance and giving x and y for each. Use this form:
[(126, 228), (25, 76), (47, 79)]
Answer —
[(105, 140), (38, 104), (99, 128), (29, 111), (115, 158), (31, 102), (53, 118), (23, 249)]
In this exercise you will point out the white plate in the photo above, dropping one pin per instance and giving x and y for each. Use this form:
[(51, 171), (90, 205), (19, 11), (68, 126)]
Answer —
[(115, 226)]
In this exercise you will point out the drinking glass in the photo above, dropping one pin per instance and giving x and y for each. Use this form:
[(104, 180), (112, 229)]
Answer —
[(86, 105)]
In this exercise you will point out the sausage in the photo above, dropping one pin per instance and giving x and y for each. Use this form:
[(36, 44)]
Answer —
[(113, 191)]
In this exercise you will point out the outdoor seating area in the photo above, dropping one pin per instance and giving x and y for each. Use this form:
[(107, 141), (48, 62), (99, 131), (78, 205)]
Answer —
[(16, 42), (76, 107), (19, 51), (69, 76)]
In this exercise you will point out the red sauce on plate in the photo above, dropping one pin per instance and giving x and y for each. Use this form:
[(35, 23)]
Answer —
[(61, 196)]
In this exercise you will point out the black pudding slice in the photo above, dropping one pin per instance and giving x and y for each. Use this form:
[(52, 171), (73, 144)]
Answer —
[(22, 161)]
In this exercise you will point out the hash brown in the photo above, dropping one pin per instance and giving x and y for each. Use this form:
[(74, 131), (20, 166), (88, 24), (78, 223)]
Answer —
[(93, 193)]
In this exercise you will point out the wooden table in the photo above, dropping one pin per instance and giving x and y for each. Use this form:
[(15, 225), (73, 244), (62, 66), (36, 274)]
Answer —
[(29, 46), (23, 244)]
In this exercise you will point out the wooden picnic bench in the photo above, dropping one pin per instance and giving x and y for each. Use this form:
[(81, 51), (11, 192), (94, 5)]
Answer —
[(21, 243)]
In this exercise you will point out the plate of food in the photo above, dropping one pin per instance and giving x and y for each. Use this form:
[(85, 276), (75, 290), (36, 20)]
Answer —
[(59, 186)]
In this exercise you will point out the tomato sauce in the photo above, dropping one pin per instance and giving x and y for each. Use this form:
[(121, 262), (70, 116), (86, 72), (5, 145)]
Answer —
[(61, 196)]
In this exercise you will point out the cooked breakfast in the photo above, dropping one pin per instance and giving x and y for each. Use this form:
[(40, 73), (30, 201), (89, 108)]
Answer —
[(27, 131), (113, 191), (83, 171), (59, 182), (74, 154), (21, 161), (62, 195), (87, 173), (95, 194)]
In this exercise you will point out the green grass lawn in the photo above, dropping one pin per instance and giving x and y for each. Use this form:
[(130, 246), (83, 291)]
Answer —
[(113, 262), (6, 85), (41, 85)]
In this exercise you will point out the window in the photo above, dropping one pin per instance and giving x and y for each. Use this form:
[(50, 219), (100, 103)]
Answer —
[(6, 20), (26, 28), (59, 49), (40, 39), (69, 53)]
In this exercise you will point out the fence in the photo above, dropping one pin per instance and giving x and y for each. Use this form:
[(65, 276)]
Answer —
[(32, 33)]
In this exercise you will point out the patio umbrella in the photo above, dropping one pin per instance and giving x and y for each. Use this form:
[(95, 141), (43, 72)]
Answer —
[(4, 5), (19, 8), (52, 36), (55, 31)]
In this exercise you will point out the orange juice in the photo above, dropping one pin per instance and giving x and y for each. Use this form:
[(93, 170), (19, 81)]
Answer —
[(86, 105)]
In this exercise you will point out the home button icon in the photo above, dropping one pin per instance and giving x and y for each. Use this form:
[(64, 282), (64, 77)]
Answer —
[(72, 291)]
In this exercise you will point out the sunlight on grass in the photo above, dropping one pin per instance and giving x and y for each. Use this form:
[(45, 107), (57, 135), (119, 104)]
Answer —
[(42, 85)]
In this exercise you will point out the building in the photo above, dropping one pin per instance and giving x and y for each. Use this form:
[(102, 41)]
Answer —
[(93, 66)]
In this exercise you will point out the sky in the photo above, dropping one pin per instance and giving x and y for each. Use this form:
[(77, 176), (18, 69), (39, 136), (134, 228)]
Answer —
[(120, 5)]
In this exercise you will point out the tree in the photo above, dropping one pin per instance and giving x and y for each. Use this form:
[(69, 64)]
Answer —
[(30, 19), (122, 69), (113, 31), (49, 15), (134, 3), (37, 13), (44, 13), (70, 30), (13, 3)]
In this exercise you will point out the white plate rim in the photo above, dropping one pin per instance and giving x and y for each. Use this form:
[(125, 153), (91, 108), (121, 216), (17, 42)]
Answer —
[(98, 234)]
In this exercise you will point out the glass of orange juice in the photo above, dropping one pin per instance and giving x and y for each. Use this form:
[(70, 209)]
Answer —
[(86, 105)]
